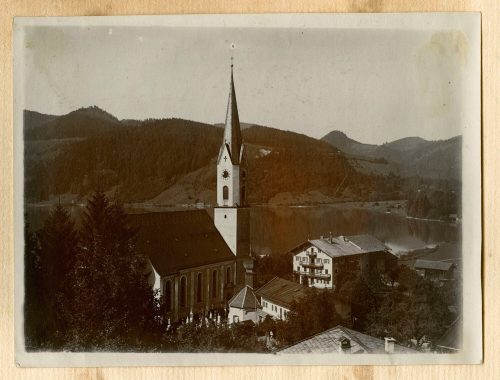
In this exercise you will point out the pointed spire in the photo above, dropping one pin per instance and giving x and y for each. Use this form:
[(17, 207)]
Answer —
[(232, 131)]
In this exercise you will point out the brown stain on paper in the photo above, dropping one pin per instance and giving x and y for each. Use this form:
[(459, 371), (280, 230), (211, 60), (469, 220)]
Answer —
[(438, 66)]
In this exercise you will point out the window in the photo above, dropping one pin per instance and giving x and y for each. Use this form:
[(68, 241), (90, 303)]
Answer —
[(228, 275), (297, 258), (183, 292), (326, 271), (298, 269), (225, 193), (168, 295), (214, 284), (236, 319), (326, 261)]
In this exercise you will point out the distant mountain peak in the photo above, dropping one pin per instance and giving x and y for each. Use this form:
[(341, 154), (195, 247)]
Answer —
[(95, 112)]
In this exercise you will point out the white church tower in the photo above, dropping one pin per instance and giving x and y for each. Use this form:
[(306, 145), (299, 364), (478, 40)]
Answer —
[(231, 216)]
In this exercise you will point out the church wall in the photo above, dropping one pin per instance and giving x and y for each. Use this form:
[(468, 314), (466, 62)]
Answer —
[(236, 186), (233, 182), (226, 219), (224, 289)]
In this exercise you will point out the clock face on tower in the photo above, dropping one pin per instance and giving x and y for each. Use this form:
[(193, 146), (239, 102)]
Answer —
[(225, 174)]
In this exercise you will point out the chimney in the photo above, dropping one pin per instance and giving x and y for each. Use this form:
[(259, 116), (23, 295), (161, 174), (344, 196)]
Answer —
[(389, 345), (249, 273), (345, 345), (331, 239)]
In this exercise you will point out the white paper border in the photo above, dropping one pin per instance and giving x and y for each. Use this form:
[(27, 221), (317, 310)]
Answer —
[(471, 353)]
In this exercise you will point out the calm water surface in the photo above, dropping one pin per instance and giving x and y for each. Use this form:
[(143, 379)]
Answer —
[(277, 229)]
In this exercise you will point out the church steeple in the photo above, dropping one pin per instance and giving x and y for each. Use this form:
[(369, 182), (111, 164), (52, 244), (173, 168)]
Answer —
[(232, 131), (232, 214)]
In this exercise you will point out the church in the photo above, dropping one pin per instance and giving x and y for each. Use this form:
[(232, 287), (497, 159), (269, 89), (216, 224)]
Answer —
[(196, 263)]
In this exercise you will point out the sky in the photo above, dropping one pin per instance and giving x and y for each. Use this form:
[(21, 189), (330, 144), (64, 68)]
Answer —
[(376, 85)]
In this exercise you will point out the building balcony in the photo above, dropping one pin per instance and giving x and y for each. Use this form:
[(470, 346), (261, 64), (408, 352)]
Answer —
[(320, 276), (312, 265)]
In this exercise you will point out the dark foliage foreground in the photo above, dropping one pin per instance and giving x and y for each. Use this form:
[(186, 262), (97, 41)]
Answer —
[(87, 290)]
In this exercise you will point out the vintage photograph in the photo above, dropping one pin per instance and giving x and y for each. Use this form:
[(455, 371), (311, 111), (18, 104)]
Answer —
[(285, 189)]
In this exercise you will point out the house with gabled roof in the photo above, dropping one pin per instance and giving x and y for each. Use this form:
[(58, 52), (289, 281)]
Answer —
[(316, 262), (343, 340), (277, 296), (245, 305), (438, 271)]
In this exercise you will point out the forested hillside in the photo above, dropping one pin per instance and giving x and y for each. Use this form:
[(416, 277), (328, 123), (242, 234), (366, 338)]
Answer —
[(139, 161), (406, 157)]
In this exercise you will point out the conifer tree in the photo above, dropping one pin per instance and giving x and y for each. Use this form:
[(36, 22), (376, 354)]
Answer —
[(32, 290), (58, 246), (115, 305)]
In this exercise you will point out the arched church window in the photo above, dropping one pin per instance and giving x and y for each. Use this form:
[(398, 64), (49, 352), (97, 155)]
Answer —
[(199, 287), (183, 292), (228, 275), (225, 193), (214, 284), (168, 295)]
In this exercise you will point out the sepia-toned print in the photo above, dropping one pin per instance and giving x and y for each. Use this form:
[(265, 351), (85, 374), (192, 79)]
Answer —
[(229, 190)]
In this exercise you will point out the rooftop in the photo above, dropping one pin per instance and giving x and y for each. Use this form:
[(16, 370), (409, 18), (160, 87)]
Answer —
[(346, 245), (452, 338), (245, 299), (329, 342), (281, 291), (430, 264), (178, 240)]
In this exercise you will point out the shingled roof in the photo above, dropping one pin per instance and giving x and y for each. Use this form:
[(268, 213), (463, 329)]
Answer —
[(346, 245), (179, 240), (245, 299), (431, 264), (328, 342), (282, 292), (452, 338)]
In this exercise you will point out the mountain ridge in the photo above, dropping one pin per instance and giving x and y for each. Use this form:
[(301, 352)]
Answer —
[(83, 150), (407, 157)]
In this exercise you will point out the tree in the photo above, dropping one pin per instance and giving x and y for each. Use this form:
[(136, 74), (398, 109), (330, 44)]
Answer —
[(208, 337), (58, 244), (346, 278), (33, 313), (115, 306), (313, 313), (413, 309)]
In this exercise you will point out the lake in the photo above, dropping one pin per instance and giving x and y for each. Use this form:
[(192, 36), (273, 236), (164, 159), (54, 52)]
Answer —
[(277, 229)]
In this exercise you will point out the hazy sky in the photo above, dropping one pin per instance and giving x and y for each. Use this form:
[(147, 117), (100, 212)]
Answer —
[(375, 85)]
